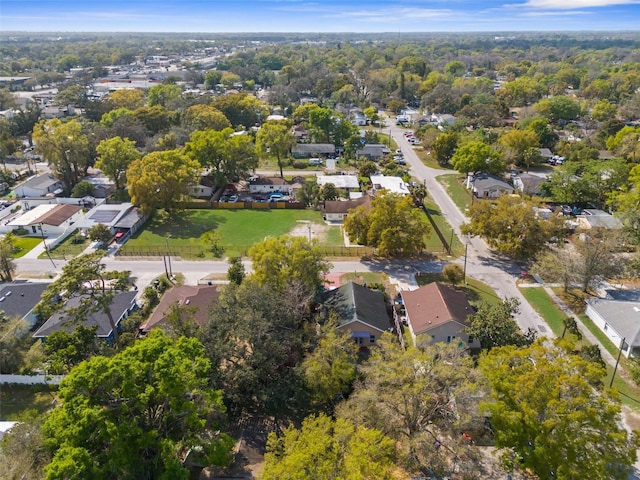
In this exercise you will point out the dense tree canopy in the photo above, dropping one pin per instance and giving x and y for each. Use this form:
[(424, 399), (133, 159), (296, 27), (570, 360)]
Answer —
[(136, 414), (392, 225), (556, 419), (159, 179), (114, 157)]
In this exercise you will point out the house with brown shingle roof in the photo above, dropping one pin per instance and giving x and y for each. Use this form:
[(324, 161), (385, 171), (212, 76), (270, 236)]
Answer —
[(198, 298), (336, 210), (437, 313)]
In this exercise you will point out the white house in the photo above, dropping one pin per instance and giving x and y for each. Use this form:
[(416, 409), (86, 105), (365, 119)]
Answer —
[(39, 186), (48, 220), (270, 185), (619, 321), (391, 184), (343, 182), (484, 185)]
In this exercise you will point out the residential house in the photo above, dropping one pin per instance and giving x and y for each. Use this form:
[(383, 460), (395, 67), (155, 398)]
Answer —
[(121, 218), (18, 299), (594, 218), (299, 132), (122, 305), (373, 151), (198, 298), (619, 320), (48, 220), (361, 312), (391, 184), (39, 186), (546, 154), (270, 185), (341, 182), (484, 185), (437, 313), (527, 183), (358, 119), (335, 211), (307, 150)]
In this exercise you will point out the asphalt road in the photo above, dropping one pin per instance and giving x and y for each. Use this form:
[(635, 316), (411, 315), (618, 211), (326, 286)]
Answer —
[(497, 272)]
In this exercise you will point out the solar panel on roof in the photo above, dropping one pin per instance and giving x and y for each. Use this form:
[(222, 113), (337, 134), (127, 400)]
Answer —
[(104, 216)]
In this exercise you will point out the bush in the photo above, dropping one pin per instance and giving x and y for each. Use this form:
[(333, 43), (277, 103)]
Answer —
[(300, 164), (20, 231), (78, 239)]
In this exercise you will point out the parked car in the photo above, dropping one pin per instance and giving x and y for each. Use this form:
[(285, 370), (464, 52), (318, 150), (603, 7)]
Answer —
[(233, 199), (315, 161), (223, 198), (275, 196), (398, 151), (400, 160)]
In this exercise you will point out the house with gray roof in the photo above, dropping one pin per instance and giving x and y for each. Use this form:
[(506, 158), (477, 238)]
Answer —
[(122, 305), (306, 150), (361, 311), (39, 186), (18, 299), (595, 218), (619, 320), (373, 151), (485, 185)]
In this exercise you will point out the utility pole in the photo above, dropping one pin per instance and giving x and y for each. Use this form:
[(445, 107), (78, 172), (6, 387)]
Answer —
[(617, 362), (46, 248)]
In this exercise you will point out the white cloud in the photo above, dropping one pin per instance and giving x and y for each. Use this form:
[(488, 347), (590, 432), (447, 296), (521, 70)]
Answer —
[(574, 4)]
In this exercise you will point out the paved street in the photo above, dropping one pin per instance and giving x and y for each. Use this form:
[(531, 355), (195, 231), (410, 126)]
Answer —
[(497, 272)]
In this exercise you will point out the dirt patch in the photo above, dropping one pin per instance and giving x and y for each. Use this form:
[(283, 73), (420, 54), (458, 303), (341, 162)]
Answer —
[(314, 231)]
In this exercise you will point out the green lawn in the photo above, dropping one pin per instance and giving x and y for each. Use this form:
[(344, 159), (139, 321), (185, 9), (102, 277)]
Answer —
[(15, 399), (458, 193), (237, 229), (546, 307), (475, 290), (23, 245), (67, 248), (433, 242)]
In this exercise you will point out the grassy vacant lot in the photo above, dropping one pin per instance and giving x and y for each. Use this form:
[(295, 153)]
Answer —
[(427, 158), (236, 229), (475, 290), (458, 193), (15, 399), (23, 245)]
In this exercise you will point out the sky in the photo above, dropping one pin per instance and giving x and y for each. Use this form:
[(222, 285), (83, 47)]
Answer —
[(368, 16)]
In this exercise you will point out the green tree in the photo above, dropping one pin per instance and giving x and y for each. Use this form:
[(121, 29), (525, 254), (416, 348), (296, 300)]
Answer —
[(203, 117), (408, 394), (288, 260), (275, 140), (510, 226), (136, 414), (256, 341), (14, 343), (211, 79), (329, 192), (455, 68), (548, 410), (392, 225), (240, 108), (126, 98), (518, 143), (604, 110), (493, 325), (477, 157), (65, 147), (236, 272), (74, 95), (22, 451), (114, 157), (327, 449), (160, 179), (228, 156), (162, 94), (330, 368), (7, 265), (65, 350), (453, 273), (444, 147), (100, 233), (83, 189), (560, 108)]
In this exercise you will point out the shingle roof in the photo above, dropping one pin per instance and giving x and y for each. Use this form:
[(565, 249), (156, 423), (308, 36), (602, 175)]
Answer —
[(623, 317), (62, 320), (17, 299), (314, 148), (433, 305), (41, 181), (198, 296), (58, 215), (353, 303), (343, 206)]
